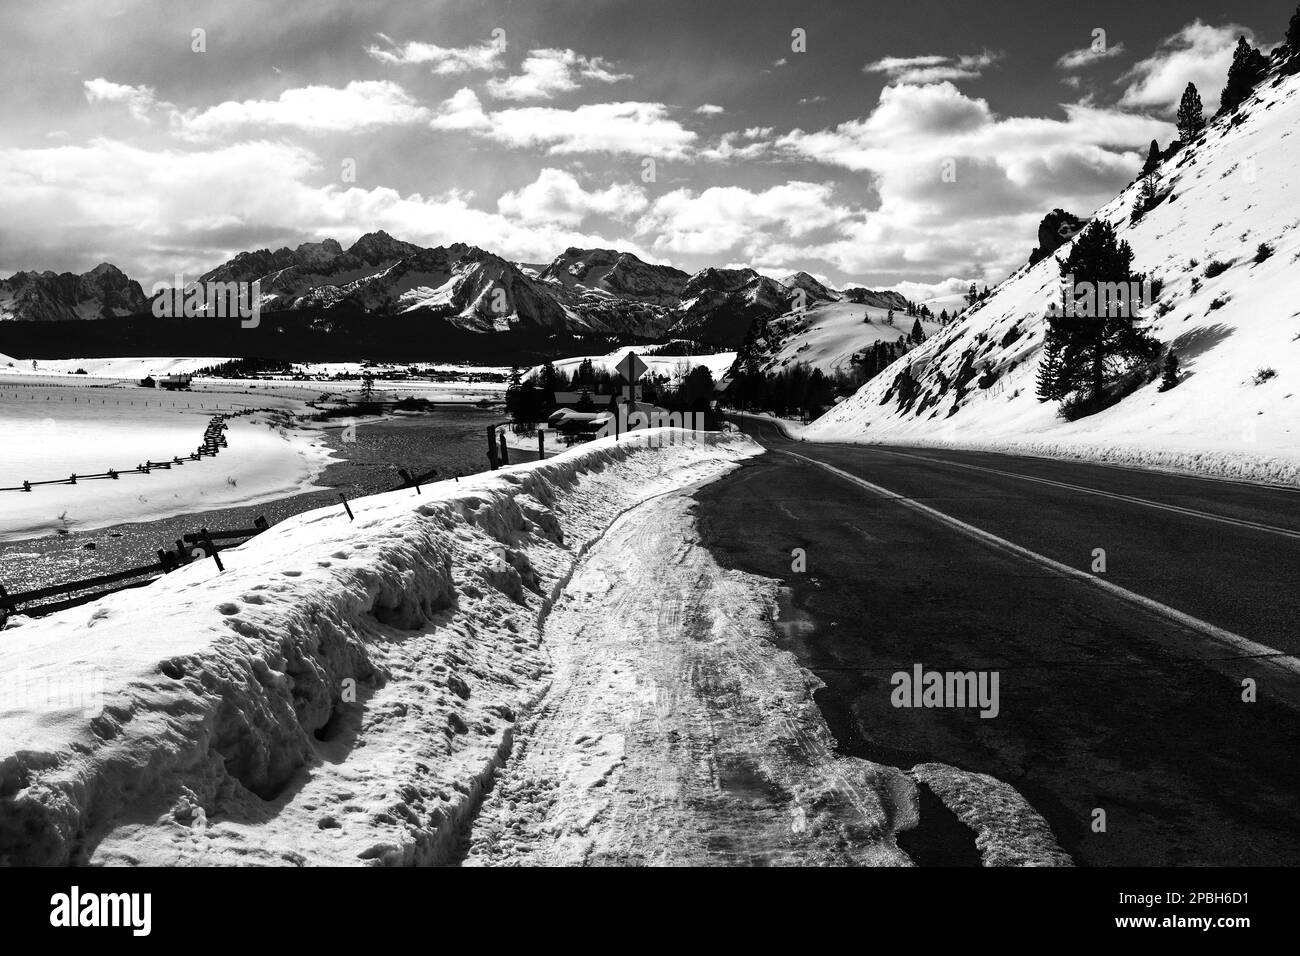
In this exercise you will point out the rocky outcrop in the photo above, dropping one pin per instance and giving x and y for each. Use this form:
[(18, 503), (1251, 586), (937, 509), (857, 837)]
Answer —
[(103, 292), (1057, 228)]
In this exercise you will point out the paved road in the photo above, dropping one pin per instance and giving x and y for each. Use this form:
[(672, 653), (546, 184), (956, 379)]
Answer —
[(1120, 690)]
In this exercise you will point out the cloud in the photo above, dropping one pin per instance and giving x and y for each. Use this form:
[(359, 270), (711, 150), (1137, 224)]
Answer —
[(709, 109), (557, 197), (1087, 56), (361, 106), (920, 70), (749, 144), (641, 129), (959, 184), (445, 61), (731, 218), (140, 101), (547, 72), (1198, 53), (153, 212)]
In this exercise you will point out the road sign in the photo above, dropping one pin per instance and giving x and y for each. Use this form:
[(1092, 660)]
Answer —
[(631, 368)]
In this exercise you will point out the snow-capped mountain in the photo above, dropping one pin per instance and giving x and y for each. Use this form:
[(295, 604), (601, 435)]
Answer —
[(595, 291), (601, 291), (1224, 241), (103, 292)]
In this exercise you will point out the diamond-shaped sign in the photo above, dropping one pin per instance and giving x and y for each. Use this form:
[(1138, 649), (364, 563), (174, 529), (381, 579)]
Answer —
[(631, 368)]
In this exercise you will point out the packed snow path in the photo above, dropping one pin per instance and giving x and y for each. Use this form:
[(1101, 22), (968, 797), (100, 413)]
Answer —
[(675, 732)]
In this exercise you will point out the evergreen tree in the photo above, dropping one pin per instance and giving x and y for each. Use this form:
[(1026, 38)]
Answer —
[(514, 393), (918, 334), (1169, 373), (1248, 68), (1153, 160), (889, 319), (1095, 348), (972, 295), (549, 383), (1049, 370), (1293, 33), (1191, 114)]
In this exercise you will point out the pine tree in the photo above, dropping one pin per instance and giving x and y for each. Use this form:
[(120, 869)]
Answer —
[(1293, 33), (1153, 159), (1049, 370), (1191, 114), (1248, 68), (1094, 345), (1169, 374), (514, 393), (918, 334)]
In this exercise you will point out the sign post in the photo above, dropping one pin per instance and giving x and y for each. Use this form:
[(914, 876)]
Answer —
[(631, 368)]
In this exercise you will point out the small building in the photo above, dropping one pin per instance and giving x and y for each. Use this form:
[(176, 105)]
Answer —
[(175, 382)]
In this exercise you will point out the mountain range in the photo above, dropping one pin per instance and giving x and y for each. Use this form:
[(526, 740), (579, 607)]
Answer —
[(582, 292)]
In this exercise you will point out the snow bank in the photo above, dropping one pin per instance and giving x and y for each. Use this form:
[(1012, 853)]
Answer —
[(340, 694)]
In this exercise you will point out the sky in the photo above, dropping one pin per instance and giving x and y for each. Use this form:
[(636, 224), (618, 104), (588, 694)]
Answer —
[(912, 145)]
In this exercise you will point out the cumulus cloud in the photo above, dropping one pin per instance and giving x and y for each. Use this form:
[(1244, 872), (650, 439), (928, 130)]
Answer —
[(709, 109), (153, 212), (140, 101), (360, 106), (642, 129), (444, 61), (959, 184), (747, 144), (732, 218), (547, 72), (557, 197), (919, 70), (1198, 53)]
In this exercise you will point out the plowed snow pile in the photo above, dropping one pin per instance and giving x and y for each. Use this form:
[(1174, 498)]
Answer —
[(340, 694), (1236, 330)]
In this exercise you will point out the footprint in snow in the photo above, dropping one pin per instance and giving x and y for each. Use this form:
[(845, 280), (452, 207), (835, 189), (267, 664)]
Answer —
[(228, 608)]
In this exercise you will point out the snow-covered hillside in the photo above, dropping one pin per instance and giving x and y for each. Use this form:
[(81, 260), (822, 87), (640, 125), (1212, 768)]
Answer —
[(340, 694), (827, 336), (1236, 331)]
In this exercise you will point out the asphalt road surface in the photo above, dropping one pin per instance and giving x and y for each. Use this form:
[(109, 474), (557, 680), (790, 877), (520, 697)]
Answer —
[(1121, 715)]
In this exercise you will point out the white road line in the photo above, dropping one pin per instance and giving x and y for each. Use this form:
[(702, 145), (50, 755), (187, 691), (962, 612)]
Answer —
[(1244, 645), (1205, 515)]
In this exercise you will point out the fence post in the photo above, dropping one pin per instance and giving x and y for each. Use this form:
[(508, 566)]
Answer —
[(212, 548)]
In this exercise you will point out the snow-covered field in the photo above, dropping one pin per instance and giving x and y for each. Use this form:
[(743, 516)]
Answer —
[(1237, 411), (53, 432), (338, 695), (114, 368)]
